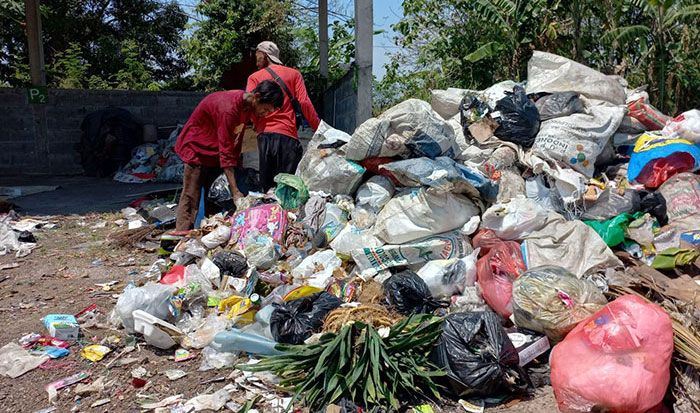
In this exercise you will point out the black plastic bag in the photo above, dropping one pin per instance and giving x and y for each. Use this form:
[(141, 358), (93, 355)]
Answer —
[(519, 121), (655, 204), (407, 293), (231, 263), (296, 320), (559, 104), (479, 358)]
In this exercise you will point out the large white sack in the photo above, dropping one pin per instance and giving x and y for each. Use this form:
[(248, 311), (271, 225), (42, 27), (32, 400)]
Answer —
[(515, 219), (446, 102), (327, 170), (575, 141), (547, 72), (421, 213), (571, 245), (409, 128)]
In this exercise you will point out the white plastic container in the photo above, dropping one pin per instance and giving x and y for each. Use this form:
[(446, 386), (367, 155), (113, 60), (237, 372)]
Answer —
[(157, 332)]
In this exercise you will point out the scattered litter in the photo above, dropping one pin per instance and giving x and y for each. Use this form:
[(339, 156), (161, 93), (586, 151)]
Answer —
[(175, 374)]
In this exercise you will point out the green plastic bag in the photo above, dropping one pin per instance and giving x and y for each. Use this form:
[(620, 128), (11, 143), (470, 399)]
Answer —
[(291, 191), (613, 230)]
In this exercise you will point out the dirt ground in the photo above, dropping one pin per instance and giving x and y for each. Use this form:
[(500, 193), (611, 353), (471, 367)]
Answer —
[(60, 277)]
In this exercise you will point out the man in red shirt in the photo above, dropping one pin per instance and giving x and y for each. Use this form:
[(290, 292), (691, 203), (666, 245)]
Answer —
[(211, 140), (278, 142)]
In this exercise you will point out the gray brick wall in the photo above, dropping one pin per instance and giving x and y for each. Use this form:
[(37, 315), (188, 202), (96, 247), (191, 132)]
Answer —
[(40, 139)]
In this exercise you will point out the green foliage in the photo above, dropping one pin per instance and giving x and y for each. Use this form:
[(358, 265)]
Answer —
[(229, 29), (473, 44), (135, 74), (83, 42), (358, 364)]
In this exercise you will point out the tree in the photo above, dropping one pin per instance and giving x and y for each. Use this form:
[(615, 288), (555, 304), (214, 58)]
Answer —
[(96, 32), (230, 30)]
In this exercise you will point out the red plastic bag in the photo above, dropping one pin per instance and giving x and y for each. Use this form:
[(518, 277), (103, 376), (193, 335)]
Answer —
[(647, 114), (616, 361), (660, 170), (501, 263), (372, 165)]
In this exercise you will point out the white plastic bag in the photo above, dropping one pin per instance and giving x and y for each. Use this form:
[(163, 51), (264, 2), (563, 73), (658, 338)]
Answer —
[(260, 250), (575, 141), (317, 269), (421, 213), (152, 298), (352, 238), (375, 193), (411, 127), (218, 236), (685, 126), (446, 278), (547, 72), (515, 219), (327, 170)]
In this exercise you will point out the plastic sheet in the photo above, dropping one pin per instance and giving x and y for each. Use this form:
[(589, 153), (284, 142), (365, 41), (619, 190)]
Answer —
[(151, 298), (618, 360), (478, 356), (552, 301), (291, 191), (559, 104)]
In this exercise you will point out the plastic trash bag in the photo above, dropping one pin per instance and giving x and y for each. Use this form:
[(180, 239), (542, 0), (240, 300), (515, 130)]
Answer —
[(682, 195), (552, 301), (352, 238), (575, 141), (407, 293), (684, 126), (247, 180), (291, 191), (479, 358), (500, 265), (219, 235), (231, 263), (151, 298), (446, 278), (421, 213), (660, 170), (409, 128), (260, 250), (296, 320), (375, 192), (653, 146), (654, 203), (610, 204), (547, 72), (618, 360), (519, 120), (647, 114), (327, 170), (453, 244), (515, 219), (613, 231), (559, 104), (317, 269)]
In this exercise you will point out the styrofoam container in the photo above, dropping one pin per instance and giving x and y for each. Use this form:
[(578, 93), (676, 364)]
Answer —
[(157, 332)]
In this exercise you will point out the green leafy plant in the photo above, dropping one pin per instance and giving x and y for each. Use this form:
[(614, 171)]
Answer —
[(361, 365)]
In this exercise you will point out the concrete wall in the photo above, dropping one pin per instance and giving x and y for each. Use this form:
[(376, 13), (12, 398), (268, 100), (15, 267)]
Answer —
[(40, 139), (340, 103)]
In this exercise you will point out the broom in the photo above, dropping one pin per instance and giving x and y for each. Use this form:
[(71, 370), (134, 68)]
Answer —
[(129, 237)]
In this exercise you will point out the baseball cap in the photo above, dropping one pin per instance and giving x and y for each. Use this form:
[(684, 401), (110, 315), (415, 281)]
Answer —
[(271, 50)]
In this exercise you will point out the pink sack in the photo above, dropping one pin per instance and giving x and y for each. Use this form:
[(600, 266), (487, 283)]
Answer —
[(267, 218), (617, 361)]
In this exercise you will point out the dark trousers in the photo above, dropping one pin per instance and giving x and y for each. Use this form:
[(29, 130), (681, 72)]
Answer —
[(195, 177), (278, 154)]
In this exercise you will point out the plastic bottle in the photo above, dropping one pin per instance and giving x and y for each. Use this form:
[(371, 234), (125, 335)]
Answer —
[(235, 340)]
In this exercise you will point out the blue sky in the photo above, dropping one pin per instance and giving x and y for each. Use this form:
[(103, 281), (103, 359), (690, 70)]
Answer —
[(386, 13)]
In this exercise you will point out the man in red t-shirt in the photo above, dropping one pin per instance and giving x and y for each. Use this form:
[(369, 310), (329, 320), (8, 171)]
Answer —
[(211, 140), (278, 142)]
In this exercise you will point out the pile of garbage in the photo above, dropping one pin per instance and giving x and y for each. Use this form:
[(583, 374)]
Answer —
[(472, 248), (153, 162)]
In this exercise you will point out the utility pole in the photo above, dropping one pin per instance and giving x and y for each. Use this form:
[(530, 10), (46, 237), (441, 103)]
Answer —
[(36, 46), (323, 39), (364, 30)]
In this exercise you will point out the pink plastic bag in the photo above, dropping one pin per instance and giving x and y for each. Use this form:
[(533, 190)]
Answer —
[(617, 361), (267, 218), (497, 269)]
